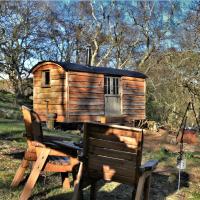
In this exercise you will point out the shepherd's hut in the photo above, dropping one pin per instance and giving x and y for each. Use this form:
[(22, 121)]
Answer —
[(77, 92)]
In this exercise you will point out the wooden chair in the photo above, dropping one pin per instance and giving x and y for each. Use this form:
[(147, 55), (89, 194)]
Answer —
[(113, 153), (49, 154)]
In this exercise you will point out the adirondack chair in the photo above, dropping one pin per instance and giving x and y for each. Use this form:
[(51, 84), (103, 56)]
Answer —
[(49, 154), (113, 153)]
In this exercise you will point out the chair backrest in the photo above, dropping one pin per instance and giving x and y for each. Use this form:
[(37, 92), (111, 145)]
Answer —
[(113, 152), (32, 124)]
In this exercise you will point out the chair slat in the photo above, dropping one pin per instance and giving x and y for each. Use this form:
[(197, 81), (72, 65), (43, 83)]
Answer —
[(114, 137), (112, 145), (112, 162), (112, 153)]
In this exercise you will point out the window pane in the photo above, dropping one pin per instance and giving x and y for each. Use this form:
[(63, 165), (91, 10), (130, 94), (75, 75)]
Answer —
[(108, 85), (114, 86), (47, 78), (105, 85), (117, 85)]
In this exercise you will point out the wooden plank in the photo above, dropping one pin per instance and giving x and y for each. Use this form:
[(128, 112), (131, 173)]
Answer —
[(103, 166), (138, 111), (55, 72), (46, 66), (52, 101), (55, 76), (112, 137), (124, 78), (110, 176), (51, 107), (107, 130), (92, 75), (86, 79), (88, 90), (58, 82), (136, 116), (58, 76), (133, 90), (135, 101), (83, 101), (130, 96), (114, 163), (50, 89), (86, 98), (132, 104), (85, 84), (125, 92), (59, 118), (20, 173), (83, 118), (52, 83), (111, 169), (134, 108), (75, 94), (112, 145), (86, 103), (86, 110), (112, 153), (52, 110), (34, 174), (86, 107), (48, 95), (132, 83), (86, 113), (42, 113)]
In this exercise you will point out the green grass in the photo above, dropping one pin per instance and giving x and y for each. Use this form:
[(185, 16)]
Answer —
[(12, 144), (10, 107)]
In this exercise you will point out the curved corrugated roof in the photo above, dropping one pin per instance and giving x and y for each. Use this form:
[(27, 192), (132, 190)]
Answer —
[(98, 70)]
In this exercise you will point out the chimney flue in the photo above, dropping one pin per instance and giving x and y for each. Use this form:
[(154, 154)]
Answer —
[(88, 57)]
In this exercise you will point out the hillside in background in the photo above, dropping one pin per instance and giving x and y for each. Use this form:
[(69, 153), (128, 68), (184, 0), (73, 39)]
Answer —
[(10, 106)]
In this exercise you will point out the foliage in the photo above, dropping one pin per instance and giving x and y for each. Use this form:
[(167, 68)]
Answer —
[(159, 38)]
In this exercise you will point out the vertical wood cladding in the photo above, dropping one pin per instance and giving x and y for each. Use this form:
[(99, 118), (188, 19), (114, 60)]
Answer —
[(133, 95), (86, 96), (55, 94)]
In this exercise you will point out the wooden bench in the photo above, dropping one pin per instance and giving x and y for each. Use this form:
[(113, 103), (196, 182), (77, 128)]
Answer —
[(49, 154), (113, 153)]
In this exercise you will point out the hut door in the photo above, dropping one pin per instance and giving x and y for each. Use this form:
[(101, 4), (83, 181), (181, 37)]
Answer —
[(112, 96)]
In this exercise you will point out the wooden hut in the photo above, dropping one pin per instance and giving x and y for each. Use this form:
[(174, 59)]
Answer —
[(84, 93)]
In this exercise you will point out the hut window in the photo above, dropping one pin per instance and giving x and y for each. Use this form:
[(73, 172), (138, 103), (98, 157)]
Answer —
[(46, 78), (111, 85)]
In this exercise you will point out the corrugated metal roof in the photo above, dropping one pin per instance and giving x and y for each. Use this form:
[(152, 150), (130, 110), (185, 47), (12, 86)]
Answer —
[(98, 70)]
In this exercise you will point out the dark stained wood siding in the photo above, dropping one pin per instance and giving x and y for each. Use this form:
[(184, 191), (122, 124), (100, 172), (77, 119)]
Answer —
[(133, 97), (55, 94), (86, 96)]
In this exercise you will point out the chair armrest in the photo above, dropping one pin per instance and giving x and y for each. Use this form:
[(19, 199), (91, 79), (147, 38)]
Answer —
[(37, 144), (149, 166)]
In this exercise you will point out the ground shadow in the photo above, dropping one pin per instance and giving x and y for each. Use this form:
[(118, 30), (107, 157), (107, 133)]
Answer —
[(16, 155), (161, 187), (10, 136)]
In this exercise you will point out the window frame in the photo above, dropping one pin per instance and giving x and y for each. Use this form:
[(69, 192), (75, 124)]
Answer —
[(112, 86), (44, 78)]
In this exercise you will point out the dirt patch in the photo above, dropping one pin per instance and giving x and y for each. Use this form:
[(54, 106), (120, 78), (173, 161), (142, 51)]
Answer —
[(162, 145)]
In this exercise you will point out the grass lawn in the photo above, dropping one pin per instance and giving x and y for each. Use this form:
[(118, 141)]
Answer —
[(164, 181)]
